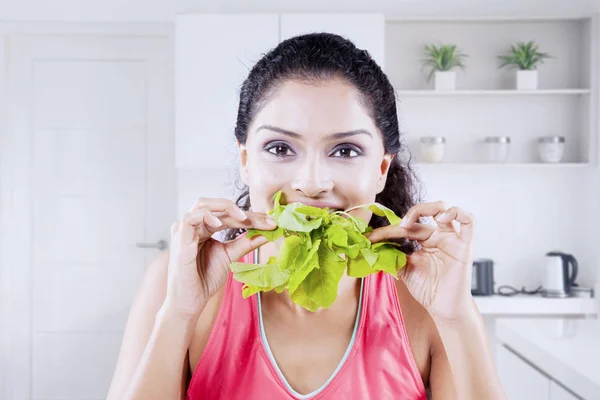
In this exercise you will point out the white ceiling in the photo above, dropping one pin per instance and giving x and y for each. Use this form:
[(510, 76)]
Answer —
[(164, 10)]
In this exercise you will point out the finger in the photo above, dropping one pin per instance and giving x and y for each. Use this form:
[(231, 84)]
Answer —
[(174, 228), (185, 231), (201, 222), (422, 210), (419, 232), (211, 223), (447, 225), (205, 220), (254, 221), (242, 245), (221, 206), (465, 220)]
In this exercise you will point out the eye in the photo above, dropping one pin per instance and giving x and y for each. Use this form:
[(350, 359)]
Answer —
[(279, 149), (346, 151)]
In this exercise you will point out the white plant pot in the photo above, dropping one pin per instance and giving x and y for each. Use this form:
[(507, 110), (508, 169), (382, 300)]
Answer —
[(527, 80), (445, 80)]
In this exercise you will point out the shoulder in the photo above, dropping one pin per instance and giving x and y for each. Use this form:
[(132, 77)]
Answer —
[(426, 344), (420, 328), (204, 328), (159, 266), (149, 298), (155, 280)]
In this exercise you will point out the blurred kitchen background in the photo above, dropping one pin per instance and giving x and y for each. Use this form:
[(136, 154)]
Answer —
[(115, 116)]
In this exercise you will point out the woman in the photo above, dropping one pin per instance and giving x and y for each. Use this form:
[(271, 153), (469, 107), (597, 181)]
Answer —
[(317, 120)]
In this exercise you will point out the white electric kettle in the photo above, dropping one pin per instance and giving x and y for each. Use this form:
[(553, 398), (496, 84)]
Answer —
[(560, 274)]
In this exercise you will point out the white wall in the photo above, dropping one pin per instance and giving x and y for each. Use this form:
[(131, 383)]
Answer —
[(522, 213), (502, 217), (589, 218), (195, 183), (161, 10)]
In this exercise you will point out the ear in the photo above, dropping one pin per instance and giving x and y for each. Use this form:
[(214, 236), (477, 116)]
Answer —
[(243, 152), (384, 168)]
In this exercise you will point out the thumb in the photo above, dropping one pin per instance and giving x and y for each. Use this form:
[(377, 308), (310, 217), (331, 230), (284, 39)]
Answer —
[(242, 245)]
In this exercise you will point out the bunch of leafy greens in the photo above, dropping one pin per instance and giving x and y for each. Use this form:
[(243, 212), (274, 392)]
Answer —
[(318, 246)]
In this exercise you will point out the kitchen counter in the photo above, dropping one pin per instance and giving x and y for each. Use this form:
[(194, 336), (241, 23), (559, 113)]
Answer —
[(535, 305), (567, 350)]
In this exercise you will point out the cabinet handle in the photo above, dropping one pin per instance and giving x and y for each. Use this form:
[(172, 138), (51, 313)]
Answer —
[(160, 245)]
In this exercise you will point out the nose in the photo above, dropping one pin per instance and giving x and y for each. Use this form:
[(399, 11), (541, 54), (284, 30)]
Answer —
[(312, 178)]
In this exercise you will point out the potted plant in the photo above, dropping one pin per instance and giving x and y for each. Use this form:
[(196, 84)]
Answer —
[(525, 56), (442, 60)]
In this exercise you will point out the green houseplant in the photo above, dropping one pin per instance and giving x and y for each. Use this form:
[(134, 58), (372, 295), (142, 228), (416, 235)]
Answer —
[(442, 60), (525, 57)]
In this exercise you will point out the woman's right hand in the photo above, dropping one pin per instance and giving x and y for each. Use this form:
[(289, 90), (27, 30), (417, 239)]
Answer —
[(199, 264)]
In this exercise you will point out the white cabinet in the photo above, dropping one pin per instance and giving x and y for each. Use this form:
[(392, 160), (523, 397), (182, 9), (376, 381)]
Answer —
[(557, 392), (366, 31), (213, 55), (521, 381)]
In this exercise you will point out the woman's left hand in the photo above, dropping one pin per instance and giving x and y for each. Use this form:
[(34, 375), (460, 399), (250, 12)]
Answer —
[(438, 275)]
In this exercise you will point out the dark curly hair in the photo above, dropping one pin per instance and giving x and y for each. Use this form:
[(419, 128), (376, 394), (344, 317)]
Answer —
[(316, 57)]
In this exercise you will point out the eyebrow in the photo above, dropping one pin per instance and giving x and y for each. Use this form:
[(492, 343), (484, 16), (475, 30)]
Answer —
[(334, 136)]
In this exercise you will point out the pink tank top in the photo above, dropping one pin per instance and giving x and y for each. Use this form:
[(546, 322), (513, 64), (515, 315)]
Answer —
[(238, 364)]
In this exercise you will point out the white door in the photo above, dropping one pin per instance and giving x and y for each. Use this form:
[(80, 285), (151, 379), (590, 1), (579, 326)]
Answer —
[(92, 174)]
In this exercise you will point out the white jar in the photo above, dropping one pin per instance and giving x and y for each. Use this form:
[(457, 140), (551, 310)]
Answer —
[(432, 148), (497, 148), (551, 148)]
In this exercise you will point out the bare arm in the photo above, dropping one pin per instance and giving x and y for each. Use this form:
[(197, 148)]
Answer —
[(174, 293), (438, 275), (441, 381), (152, 336), (159, 374), (462, 365)]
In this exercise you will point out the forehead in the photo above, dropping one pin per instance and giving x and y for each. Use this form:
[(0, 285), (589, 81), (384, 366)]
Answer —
[(315, 108)]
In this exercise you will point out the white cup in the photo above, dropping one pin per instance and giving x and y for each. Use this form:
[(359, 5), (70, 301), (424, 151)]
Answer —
[(551, 148), (432, 148)]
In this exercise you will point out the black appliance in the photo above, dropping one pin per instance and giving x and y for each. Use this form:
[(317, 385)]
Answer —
[(482, 283)]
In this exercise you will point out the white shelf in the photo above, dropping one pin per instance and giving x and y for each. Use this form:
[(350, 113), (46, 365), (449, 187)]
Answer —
[(535, 305), (539, 92), (507, 164), (486, 101), (481, 18)]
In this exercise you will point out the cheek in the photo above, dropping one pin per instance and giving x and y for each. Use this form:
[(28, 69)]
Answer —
[(265, 174), (358, 185), (265, 179), (358, 182)]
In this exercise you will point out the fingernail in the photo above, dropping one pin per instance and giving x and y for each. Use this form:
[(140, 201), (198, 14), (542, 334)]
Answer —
[(443, 217), (271, 221), (404, 223)]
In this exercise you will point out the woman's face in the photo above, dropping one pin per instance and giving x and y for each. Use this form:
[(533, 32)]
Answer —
[(317, 144)]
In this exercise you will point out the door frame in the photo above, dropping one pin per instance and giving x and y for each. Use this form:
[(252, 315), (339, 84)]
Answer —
[(16, 217)]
